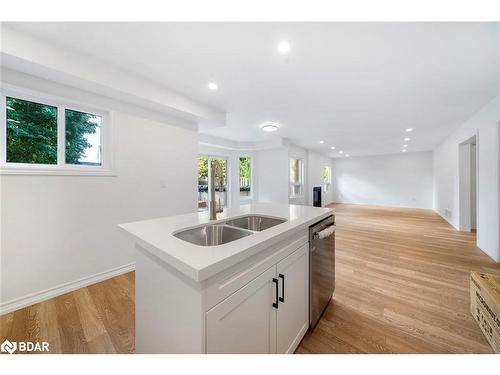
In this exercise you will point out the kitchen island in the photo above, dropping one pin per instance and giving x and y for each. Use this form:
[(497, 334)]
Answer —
[(248, 295)]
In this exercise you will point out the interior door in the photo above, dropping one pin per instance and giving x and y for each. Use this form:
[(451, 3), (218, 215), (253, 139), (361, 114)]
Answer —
[(245, 322), (293, 308)]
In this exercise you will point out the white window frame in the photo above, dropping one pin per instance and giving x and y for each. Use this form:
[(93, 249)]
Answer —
[(251, 196), (61, 168), (301, 182), (327, 184)]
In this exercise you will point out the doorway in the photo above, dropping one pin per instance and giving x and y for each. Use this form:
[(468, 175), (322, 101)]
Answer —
[(204, 181), (467, 160)]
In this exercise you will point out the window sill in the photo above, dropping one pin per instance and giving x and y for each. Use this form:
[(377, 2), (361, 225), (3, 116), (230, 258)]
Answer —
[(23, 171)]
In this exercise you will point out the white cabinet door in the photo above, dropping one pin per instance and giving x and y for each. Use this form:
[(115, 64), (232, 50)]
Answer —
[(293, 308), (245, 322)]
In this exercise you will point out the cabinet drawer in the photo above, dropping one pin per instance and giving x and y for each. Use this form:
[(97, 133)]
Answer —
[(229, 281)]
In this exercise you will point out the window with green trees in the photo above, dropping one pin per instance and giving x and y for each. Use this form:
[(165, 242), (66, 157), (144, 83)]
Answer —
[(32, 134), (83, 138), (245, 176)]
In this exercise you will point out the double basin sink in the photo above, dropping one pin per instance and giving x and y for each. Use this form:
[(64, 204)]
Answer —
[(228, 231)]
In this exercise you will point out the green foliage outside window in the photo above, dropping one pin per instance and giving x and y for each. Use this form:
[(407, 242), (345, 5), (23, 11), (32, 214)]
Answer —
[(202, 167), (78, 126), (245, 168), (31, 132)]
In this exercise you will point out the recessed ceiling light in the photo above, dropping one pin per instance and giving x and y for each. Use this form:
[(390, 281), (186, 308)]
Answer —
[(405, 145), (284, 47), (332, 148), (406, 139), (212, 86), (341, 152), (347, 155), (321, 142), (409, 130), (404, 150), (269, 126)]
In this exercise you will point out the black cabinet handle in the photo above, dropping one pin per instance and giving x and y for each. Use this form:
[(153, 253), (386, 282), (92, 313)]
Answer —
[(282, 277), (275, 304)]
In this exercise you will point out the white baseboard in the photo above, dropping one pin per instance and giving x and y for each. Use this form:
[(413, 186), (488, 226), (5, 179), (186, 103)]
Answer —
[(31, 299), (446, 219)]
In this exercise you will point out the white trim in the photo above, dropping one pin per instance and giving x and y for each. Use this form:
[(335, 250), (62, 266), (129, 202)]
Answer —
[(61, 168), (37, 297), (448, 220)]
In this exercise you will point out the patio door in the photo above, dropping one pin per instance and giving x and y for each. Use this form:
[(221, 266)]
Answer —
[(204, 188)]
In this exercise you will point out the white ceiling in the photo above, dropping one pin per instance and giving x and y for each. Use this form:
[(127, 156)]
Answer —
[(356, 86)]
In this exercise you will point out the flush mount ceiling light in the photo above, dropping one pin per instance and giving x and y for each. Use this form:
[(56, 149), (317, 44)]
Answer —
[(347, 155), (321, 142), (332, 148), (341, 152), (212, 86), (409, 130), (405, 146), (283, 47), (406, 139), (269, 126), (404, 150)]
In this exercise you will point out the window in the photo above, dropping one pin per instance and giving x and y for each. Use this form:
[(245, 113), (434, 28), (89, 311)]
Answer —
[(245, 177), (296, 178), (31, 132), (83, 138), (327, 178), (42, 135), (202, 183), (204, 173)]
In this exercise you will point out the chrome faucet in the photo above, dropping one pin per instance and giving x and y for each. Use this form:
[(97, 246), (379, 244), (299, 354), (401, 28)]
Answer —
[(216, 173)]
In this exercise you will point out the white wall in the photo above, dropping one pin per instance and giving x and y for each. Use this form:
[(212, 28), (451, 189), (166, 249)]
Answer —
[(399, 180), (484, 124), (58, 229), (272, 170), (316, 163)]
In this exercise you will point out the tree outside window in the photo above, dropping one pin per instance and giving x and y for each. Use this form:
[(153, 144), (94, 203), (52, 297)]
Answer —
[(296, 177), (31, 132), (32, 135), (327, 178), (245, 176)]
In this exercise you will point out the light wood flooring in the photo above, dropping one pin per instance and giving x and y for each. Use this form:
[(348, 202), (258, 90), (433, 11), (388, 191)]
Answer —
[(402, 287)]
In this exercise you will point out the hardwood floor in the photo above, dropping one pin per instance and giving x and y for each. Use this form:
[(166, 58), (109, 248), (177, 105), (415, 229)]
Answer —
[(402, 287), (95, 319)]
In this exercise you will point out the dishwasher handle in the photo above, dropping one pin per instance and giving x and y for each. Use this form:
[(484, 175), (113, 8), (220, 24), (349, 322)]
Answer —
[(327, 232)]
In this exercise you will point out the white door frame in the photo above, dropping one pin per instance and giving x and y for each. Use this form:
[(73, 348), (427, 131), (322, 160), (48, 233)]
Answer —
[(464, 182)]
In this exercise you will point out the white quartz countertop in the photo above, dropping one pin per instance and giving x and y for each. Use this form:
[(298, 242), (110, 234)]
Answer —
[(201, 262)]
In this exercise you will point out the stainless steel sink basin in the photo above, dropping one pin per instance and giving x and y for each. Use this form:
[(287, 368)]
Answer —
[(212, 235), (255, 223)]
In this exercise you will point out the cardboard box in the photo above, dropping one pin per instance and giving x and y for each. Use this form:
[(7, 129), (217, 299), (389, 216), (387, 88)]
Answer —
[(485, 305)]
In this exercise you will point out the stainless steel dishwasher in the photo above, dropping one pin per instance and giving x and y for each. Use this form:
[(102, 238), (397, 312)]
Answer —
[(321, 267)]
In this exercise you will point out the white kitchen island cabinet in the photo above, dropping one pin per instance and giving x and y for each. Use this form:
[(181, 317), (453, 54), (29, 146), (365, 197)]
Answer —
[(250, 295), (268, 315)]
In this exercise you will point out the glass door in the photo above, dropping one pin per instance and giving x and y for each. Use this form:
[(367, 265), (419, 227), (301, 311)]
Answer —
[(204, 181)]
